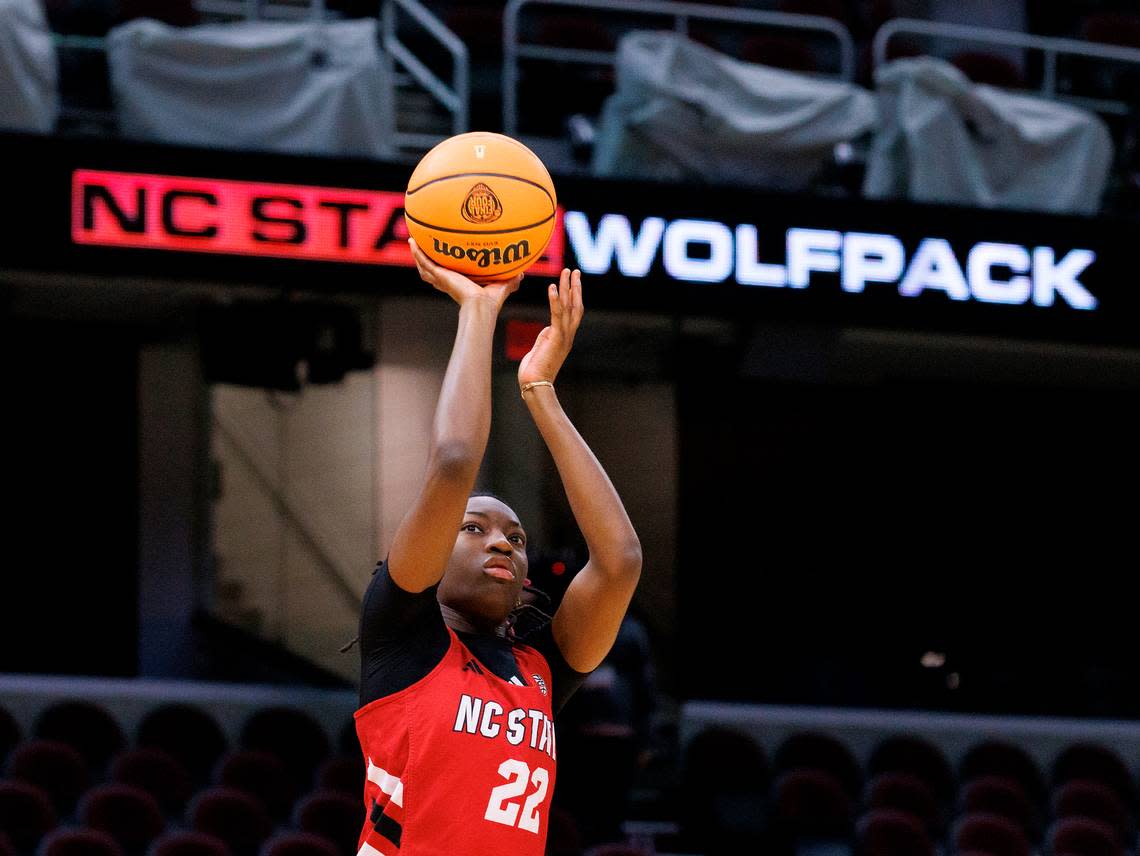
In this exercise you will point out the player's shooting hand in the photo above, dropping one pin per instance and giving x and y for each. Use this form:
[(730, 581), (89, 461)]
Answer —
[(458, 287)]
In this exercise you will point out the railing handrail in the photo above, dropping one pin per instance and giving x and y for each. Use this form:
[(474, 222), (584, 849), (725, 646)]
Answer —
[(1050, 46), (455, 97), (258, 10), (681, 12)]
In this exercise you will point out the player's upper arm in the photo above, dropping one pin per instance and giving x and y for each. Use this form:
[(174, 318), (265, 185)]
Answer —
[(589, 617), (426, 536)]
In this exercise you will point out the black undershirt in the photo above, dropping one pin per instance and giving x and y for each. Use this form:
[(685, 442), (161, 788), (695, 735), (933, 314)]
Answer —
[(403, 637)]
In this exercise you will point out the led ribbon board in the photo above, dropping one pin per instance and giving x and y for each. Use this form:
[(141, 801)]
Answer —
[(711, 251), (114, 208), (201, 215), (366, 227)]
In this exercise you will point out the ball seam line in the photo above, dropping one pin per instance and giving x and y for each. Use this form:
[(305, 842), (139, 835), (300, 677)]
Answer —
[(487, 175), (478, 231)]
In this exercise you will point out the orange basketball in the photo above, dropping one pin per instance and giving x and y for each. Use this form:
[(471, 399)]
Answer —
[(482, 204)]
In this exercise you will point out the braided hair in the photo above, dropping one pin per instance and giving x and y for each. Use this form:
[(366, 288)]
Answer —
[(527, 618)]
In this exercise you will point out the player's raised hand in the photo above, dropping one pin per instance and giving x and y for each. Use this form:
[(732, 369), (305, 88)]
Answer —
[(458, 287), (554, 342)]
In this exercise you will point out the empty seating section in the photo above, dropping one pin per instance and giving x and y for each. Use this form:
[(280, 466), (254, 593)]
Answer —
[(79, 842), (397, 78), (238, 771), (542, 45), (156, 772), (187, 733), (268, 775), (879, 784)]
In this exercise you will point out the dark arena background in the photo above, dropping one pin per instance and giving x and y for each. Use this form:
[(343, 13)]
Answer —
[(861, 355)]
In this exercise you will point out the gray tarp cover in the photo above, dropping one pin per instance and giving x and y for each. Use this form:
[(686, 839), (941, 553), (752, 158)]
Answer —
[(945, 139), (28, 73), (685, 111), (295, 87)]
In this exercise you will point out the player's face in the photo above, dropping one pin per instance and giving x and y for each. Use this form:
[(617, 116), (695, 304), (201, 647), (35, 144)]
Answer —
[(488, 564)]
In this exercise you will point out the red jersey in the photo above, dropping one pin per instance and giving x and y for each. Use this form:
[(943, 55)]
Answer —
[(462, 762)]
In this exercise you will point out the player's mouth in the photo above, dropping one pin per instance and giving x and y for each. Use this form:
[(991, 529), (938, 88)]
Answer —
[(499, 569)]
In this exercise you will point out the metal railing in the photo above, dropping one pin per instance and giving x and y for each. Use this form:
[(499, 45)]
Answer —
[(263, 10), (403, 66), (681, 14), (1050, 47), (456, 97)]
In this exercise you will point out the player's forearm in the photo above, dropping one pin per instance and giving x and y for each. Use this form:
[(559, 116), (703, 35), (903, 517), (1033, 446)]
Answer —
[(601, 517), (463, 413)]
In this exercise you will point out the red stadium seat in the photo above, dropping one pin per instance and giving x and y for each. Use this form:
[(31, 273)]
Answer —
[(332, 815), (726, 757), (128, 814), (299, 844), (999, 758), (990, 833), (343, 773), (158, 773), (904, 792), (78, 842), (1085, 836), (563, 837), (999, 795), (187, 733), (721, 770), (290, 734), (814, 751), (1095, 800), (812, 804), (1093, 762), (26, 814), (188, 844), (890, 832), (919, 758), (236, 818), (55, 767), (263, 775), (86, 727)]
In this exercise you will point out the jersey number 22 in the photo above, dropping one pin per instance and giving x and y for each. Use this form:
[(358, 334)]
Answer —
[(502, 807)]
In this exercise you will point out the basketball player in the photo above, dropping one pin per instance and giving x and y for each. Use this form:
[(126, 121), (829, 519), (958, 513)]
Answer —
[(456, 716)]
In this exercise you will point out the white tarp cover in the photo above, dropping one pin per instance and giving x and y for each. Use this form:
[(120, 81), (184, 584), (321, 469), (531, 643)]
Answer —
[(945, 139), (29, 99), (294, 87), (682, 111)]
